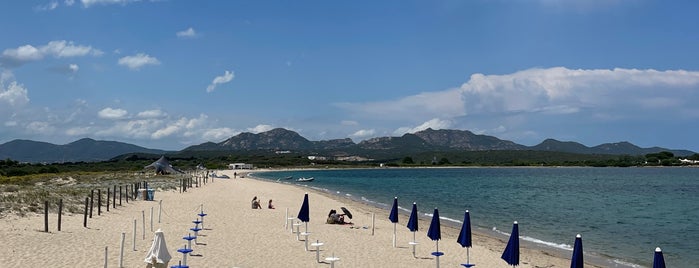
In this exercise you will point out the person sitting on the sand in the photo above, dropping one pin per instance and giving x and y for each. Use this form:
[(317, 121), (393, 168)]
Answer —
[(335, 218), (256, 203), (269, 205)]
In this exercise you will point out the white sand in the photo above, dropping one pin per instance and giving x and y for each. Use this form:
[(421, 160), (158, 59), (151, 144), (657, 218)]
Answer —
[(238, 236)]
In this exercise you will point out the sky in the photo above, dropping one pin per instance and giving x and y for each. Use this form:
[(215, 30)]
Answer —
[(167, 74)]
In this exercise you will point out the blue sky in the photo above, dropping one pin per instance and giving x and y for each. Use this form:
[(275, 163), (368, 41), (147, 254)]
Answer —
[(167, 74)]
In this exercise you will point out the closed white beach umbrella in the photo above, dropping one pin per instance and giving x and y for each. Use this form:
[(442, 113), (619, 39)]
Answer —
[(158, 256)]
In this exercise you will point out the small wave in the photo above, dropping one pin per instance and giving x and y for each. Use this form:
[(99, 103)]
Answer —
[(627, 264), (550, 244)]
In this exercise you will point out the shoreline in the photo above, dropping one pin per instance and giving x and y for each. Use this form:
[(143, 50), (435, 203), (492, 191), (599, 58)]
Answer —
[(237, 236), (453, 225)]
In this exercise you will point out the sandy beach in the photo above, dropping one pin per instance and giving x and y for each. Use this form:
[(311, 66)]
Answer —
[(235, 235)]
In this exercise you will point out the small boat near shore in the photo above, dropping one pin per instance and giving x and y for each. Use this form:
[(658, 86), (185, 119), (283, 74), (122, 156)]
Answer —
[(302, 179), (288, 178)]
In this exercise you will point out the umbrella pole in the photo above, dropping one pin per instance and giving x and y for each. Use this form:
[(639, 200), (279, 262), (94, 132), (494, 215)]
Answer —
[(394, 234), (306, 227), (468, 261), (414, 245), (437, 253)]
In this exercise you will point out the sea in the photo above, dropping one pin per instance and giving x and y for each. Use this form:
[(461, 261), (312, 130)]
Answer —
[(623, 214)]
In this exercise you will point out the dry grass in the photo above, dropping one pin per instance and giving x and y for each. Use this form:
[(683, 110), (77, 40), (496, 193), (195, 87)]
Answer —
[(26, 195)]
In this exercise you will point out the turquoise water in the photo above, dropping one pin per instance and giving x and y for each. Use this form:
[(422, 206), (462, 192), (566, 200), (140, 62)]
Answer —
[(622, 213)]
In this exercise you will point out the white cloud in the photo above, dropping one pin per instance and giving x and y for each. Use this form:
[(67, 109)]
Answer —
[(73, 67), (152, 114), (137, 61), (11, 92), (349, 123), (421, 107), (562, 90), (57, 49), (11, 123), (260, 128), (184, 125), (89, 3), (40, 127), (225, 78), (110, 113), (363, 133), (434, 123), (219, 134), (69, 2), (47, 7), (189, 33)]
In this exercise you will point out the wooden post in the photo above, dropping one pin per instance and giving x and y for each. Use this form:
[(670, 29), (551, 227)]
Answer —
[(160, 209), (60, 211), (87, 199), (114, 197), (108, 198), (99, 202), (119, 195), (127, 194), (105, 256), (46, 216), (92, 203)]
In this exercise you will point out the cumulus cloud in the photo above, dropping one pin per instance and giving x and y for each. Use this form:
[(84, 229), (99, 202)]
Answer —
[(225, 78), (562, 90), (260, 128), (189, 33), (219, 134), (434, 123), (110, 113), (137, 61), (12, 94), (57, 49)]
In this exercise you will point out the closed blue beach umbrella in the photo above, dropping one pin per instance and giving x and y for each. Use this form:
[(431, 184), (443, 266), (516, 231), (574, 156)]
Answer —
[(412, 225), (511, 253), (435, 233), (465, 238), (658, 260), (577, 260), (393, 217), (304, 213)]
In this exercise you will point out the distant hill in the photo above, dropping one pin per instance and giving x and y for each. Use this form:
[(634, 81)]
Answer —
[(428, 140), (83, 150), (618, 148), (280, 139)]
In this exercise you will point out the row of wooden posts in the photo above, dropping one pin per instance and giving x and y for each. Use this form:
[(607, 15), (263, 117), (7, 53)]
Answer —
[(131, 191)]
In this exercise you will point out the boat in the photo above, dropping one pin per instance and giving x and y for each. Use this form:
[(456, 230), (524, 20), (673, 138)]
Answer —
[(302, 179), (288, 178)]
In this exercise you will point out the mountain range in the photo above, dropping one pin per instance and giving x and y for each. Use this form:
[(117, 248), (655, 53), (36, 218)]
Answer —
[(280, 139)]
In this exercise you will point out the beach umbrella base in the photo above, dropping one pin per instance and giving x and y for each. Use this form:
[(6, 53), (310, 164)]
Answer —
[(467, 265)]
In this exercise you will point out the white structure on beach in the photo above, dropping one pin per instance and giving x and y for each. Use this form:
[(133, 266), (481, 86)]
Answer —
[(240, 166)]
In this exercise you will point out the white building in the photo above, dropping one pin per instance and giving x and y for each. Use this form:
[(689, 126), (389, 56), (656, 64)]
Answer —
[(240, 166)]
